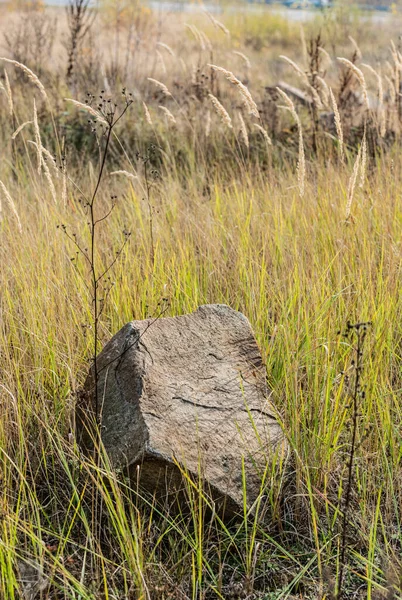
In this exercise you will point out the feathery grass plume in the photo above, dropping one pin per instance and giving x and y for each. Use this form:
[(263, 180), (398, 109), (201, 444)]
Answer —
[(396, 70), (244, 91), (207, 41), (391, 88), (37, 137), (160, 85), (125, 174), (208, 124), (221, 111), (165, 47), (303, 45), (161, 62), (243, 130), (352, 184), (296, 68), (94, 113), (201, 37), (64, 186), (363, 168), (147, 114), (380, 91), (169, 115), (338, 123), (49, 179), (355, 47), (20, 128), (217, 23), (201, 40), (197, 35), (315, 95), (183, 65), (301, 163), (359, 76), (325, 54), (379, 81), (395, 53), (49, 157), (324, 90), (194, 73), (243, 57), (9, 93), (30, 74), (11, 205), (264, 133), (47, 154), (41, 150)]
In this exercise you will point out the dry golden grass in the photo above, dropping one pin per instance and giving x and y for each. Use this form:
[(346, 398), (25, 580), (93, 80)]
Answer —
[(301, 240)]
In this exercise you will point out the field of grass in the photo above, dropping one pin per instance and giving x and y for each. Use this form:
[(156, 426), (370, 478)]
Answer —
[(232, 192)]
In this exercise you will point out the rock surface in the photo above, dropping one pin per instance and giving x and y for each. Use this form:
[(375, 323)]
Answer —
[(188, 391)]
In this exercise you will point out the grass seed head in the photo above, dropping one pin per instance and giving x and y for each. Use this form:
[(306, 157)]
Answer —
[(11, 205), (221, 111), (30, 74), (244, 91), (160, 85)]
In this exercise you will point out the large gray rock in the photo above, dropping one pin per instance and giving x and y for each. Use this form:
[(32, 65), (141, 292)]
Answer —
[(185, 393)]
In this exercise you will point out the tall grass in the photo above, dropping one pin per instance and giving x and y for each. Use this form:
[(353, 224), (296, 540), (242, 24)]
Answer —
[(229, 225)]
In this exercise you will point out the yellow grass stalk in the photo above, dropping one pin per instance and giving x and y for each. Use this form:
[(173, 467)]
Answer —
[(64, 186), (37, 137), (359, 77), (325, 54), (20, 128), (301, 163), (193, 30), (126, 174), (147, 114), (11, 205), (46, 155), (363, 168), (338, 124), (295, 67), (380, 91), (391, 89), (221, 111), (207, 41), (244, 58), (243, 130), (161, 62), (324, 90), (396, 70), (30, 74), (208, 124), (218, 24), (165, 47), (41, 150), (315, 95), (169, 115), (303, 45), (264, 133), (9, 93), (244, 91), (355, 47), (352, 184), (91, 111), (49, 179), (160, 85)]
